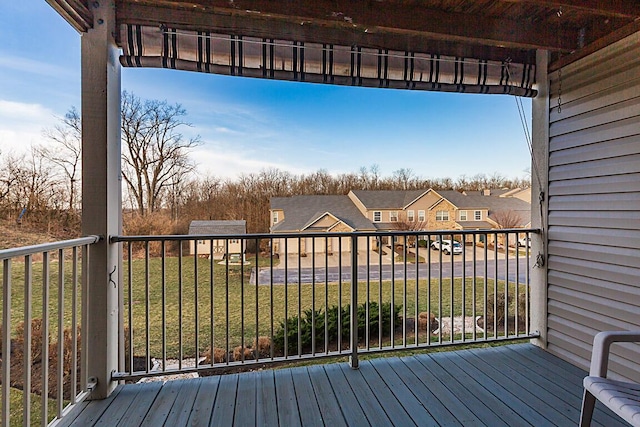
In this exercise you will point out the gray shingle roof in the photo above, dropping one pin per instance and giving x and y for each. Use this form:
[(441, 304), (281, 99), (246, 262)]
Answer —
[(300, 211), (387, 199), (492, 203), (218, 227)]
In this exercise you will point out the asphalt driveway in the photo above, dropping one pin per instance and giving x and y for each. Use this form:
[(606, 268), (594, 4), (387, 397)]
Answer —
[(448, 269)]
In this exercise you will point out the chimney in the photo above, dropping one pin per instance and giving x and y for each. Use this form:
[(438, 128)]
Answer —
[(486, 192)]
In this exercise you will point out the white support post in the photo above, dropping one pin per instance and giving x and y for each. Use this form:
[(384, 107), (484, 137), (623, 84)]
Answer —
[(101, 194), (540, 200)]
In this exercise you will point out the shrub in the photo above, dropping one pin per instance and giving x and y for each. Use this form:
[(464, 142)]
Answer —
[(423, 243), (263, 346), (239, 351), (499, 311), (218, 355), (318, 317)]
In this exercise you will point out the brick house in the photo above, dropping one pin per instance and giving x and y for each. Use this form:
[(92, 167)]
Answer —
[(391, 210)]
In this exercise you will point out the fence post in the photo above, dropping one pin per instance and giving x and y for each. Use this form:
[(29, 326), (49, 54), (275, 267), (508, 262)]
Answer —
[(353, 358)]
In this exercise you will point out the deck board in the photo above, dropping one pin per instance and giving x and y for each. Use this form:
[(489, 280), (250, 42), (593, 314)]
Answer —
[(521, 414), (448, 399), (226, 398), (267, 409), (310, 414), (203, 403), (424, 395), (557, 378), (288, 414), (403, 394), (469, 399), (347, 398), (365, 409), (527, 390), (182, 407), (394, 409), (507, 385), (246, 415), (331, 413)]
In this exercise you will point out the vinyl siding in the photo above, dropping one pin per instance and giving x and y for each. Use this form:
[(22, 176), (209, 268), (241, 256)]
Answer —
[(594, 205)]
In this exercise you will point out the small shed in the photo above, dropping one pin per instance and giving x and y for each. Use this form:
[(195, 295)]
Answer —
[(221, 246)]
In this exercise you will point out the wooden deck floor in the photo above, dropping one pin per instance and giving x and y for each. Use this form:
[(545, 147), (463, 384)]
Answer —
[(515, 385)]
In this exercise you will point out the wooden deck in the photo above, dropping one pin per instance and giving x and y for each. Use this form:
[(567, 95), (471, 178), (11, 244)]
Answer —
[(515, 385)]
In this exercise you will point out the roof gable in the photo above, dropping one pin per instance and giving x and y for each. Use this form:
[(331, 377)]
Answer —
[(218, 227)]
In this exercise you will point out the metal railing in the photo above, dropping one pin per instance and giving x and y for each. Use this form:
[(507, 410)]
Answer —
[(42, 317), (190, 307)]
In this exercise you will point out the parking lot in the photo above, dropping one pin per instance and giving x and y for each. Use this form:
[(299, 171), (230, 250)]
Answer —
[(374, 258)]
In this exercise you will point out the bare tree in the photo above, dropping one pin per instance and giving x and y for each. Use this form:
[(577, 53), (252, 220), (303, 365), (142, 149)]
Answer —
[(66, 154), (403, 177), (155, 154), (405, 224), (507, 219)]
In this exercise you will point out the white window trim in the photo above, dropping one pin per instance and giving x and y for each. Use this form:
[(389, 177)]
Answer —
[(393, 216), (421, 215), (378, 214), (444, 215), (411, 216), (463, 215), (477, 215), (274, 217)]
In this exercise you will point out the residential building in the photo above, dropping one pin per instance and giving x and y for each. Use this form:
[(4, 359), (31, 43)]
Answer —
[(221, 247), (392, 210)]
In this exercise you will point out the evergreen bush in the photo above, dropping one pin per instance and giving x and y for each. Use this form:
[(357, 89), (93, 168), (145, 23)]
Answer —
[(309, 317)]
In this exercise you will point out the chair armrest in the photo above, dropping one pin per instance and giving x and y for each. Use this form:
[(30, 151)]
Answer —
[(601, 344)]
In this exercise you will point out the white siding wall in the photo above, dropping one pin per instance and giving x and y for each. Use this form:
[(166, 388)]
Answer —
[(594, 205)]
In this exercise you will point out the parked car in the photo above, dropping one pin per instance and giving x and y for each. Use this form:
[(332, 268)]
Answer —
[(525, 241), (445, 246)]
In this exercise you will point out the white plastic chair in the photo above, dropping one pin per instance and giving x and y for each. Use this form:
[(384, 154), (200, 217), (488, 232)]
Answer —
[(623, 398)]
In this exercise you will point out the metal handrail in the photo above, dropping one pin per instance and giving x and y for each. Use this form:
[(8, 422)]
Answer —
[(260, 236), (407, 284), (47, 247), (67, 279)]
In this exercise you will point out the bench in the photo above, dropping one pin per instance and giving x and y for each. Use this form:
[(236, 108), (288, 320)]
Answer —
[(623, 398)]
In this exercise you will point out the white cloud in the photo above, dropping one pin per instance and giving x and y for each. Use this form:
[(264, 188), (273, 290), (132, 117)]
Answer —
[(225, 162), (222, 129), (27, 65), (21, 125)]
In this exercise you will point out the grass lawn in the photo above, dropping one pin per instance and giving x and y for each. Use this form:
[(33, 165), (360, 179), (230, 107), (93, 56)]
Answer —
[(16, 416), (240, 310)]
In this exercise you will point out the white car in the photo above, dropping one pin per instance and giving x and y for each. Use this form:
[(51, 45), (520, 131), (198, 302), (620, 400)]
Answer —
[(525, 242), (445, 246)]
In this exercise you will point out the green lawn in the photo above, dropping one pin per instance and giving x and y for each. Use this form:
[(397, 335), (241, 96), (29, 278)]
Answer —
[(239, 308), (17, 414)]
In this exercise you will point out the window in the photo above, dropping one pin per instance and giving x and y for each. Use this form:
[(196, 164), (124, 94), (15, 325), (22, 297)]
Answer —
[(477, 215), (463, 215), (393, 216), (420, 216), (275, 217), (442, 215), (411, 216), (377, 216)]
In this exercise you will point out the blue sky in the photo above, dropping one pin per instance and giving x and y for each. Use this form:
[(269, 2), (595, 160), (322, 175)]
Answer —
[(248, 124)]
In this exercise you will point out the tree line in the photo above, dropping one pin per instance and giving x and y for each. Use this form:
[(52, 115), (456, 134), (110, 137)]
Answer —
[(162, 189)]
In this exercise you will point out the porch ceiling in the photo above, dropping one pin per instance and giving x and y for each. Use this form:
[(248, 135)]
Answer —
[(482, 29)]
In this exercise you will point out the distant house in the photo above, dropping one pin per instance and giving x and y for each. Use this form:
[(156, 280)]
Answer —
[(221, 247), (392, 210)]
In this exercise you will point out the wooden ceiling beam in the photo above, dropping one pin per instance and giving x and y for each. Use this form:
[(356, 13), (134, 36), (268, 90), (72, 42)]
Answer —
[(358, 20), (262, 27), (75, 12), (629, 9)]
